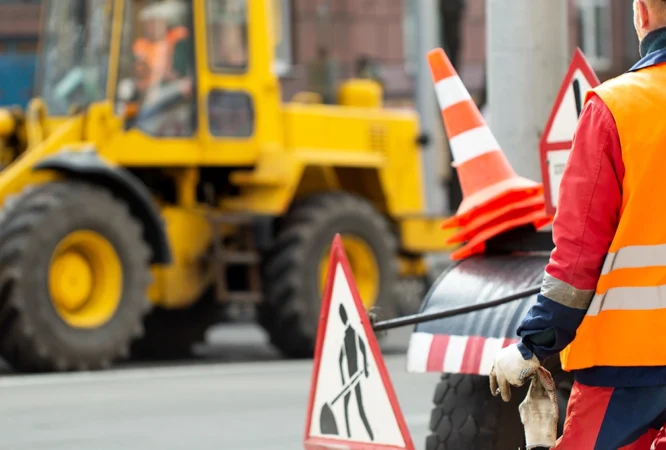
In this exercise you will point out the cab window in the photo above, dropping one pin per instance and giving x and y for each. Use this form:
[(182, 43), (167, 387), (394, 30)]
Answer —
[(156, 82), (77, 42), (230, 114), (226, 22)]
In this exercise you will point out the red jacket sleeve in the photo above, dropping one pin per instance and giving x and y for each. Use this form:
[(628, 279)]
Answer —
[(589, 202), (590, 198)]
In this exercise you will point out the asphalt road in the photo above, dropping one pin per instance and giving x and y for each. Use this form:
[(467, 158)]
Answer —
[(239, 396)]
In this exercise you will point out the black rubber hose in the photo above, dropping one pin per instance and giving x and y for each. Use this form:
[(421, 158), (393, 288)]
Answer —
[(427, 317)]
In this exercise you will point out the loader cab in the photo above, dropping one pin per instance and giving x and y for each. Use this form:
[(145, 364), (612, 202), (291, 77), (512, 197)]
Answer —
[(192, 82), (76, 42), (156, 80)]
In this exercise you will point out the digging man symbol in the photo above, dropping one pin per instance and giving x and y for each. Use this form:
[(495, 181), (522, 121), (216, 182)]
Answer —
[(349, 354)]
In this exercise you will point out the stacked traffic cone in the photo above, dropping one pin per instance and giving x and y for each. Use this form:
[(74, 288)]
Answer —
[(495, 198)]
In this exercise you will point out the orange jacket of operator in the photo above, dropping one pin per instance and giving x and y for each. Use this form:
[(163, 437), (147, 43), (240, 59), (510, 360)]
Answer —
[(156, 57), (625, 324)]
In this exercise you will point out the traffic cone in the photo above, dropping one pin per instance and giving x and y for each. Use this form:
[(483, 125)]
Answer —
[(476, 244), (495, 198), (478, 223)]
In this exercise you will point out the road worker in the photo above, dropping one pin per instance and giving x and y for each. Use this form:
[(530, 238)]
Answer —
[(602, 305), (164, 66), (162, 51)]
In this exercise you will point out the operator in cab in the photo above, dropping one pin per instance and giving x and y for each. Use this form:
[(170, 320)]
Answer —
[(163, 66), (602, 305)]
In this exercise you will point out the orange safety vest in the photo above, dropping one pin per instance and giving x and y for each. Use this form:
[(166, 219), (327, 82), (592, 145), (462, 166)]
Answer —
[(625, 324), (157, 56)]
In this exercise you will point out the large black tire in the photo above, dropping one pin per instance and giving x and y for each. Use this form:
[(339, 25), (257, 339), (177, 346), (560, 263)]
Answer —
[(170, 334), (33, 336), (467, 416), (290, 310)]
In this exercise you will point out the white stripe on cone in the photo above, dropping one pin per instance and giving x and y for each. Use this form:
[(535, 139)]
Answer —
[(450, 91), (473, 143)]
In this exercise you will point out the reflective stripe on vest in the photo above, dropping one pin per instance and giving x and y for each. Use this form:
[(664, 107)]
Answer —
[(625, 324), (624, 298), (635, 256)]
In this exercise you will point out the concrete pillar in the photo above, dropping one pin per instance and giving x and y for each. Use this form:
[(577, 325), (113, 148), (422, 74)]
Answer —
[(527, 49), (426, 38)]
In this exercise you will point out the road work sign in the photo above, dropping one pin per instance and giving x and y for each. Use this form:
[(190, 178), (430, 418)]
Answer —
[(352, 402), (556, 141)]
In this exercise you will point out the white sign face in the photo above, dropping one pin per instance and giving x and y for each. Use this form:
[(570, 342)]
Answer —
[(557, 160), (351, 402), (566, 117), (557, 140)]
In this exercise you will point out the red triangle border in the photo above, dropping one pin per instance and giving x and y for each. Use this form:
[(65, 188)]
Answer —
[(338, 256), (578, 62)]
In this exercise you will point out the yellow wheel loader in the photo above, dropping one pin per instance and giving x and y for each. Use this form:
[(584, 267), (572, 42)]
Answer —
[(158, 176)]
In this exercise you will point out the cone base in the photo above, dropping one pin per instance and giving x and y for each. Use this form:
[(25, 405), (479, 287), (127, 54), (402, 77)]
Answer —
[(477, 244), (479, 223), (492, 194), (492, 198)]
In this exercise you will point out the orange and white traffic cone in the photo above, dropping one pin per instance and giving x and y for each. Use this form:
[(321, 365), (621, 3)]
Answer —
[(495, 198), (475, 224)]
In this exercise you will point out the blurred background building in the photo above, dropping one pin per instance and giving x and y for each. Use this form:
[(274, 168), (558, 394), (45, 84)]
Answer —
[(371, 37), (19, 25), (324, 41), (603, 29)]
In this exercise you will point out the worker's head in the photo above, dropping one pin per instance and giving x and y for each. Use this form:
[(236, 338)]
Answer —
[(156, 18), (343, 314), (649, 15)]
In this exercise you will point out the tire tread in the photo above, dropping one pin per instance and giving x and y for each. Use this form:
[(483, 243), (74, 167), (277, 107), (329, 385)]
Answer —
[(22, 343), (283, 313)]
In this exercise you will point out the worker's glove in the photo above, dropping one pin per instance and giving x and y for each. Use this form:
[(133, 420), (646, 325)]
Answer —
[(511, 369), (539, 412)]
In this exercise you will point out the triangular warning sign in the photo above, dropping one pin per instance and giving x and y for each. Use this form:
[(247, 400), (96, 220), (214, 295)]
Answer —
[(352, 403), (579, 79), (557, 139)]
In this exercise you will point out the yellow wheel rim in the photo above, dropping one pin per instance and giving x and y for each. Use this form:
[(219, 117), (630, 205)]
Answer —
[(363, 264), (85, 279)]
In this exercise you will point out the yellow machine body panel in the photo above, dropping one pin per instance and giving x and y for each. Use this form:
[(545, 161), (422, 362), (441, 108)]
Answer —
[(159, 177), (182, 282), (276, 152)]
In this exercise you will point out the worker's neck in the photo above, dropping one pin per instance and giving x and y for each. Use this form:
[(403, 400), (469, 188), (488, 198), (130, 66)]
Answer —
[(653, 41)]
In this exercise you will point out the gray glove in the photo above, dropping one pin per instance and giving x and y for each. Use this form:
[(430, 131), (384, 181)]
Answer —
[(539, 412), (511, 369)]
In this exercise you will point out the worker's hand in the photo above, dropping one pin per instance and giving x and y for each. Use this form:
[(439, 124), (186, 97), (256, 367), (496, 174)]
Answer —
[(511, 369), (539, 412)]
